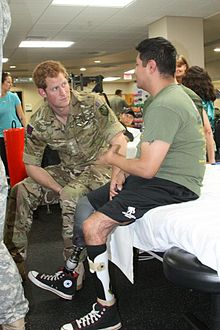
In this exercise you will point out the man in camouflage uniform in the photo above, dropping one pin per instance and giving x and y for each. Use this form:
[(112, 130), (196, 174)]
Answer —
[(80, 126), (13, 305)]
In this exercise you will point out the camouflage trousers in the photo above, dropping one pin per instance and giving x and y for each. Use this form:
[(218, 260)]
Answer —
[(27, 195), (13, 305)]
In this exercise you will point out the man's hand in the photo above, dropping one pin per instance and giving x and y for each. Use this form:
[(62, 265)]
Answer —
[(116, 184)]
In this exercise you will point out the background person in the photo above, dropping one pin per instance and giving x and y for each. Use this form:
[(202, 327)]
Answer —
[(117, 103), (181, 67), (126, 118), (10, 110), (198, 79), (80, 126)]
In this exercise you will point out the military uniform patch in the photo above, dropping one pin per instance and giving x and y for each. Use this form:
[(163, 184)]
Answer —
[(104, 110)]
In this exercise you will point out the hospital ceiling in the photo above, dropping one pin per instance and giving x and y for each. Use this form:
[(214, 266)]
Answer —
[(105, 34)]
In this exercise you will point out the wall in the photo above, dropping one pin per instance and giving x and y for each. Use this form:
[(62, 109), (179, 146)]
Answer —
[(185, 33), (30, 96), (32, 99), (213, 69)]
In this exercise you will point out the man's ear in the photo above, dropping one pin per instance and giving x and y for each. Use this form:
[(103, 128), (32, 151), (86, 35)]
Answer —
[(152, 65), (42, 92)]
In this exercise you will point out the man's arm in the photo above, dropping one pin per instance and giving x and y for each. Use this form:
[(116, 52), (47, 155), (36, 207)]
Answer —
[(42, 177), (152, 156), (21, 115)]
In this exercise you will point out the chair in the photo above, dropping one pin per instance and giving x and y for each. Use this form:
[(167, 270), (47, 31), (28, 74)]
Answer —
[(185, 270)]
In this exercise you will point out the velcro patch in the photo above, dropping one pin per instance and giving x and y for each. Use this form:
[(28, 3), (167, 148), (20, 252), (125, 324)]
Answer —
[(104, 110), (29, 129)]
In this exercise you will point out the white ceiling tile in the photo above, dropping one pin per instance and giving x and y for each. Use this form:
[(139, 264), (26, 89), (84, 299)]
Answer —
[(102, 32)]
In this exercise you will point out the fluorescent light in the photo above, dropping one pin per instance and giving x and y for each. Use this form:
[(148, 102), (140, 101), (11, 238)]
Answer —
[(23, 80), (93, 3), (12, 66), (111, 78), (82, 69), (45, 44), (4, 60), (217, 50), (97, 61), (130, 71)]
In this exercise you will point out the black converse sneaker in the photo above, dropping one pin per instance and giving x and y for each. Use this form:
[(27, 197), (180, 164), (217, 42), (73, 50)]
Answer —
[(100, 318), (61, 283)]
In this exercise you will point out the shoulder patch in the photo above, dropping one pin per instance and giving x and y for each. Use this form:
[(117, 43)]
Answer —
[(29, 129), (104, 110)]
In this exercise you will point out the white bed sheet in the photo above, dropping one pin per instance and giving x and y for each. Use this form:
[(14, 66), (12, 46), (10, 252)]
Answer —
[(193, 226)]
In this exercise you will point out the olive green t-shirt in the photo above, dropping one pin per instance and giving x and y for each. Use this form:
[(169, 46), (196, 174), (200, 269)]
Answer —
[(172, 117)]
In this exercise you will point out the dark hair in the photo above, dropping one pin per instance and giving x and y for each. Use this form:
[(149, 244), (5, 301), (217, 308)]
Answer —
[(128, 111), (118, 91), (5, 75), (198, 79), (161, 51)]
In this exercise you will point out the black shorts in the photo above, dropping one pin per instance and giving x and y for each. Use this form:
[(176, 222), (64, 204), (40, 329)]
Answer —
[(138, 196)]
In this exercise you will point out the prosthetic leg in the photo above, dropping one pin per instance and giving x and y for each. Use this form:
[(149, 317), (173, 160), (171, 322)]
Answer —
[(104, 314), (75, 262), (98, 266)]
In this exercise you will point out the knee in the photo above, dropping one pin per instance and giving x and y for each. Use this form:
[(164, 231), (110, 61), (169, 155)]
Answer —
[(67, 194), (86, 226), (71, 194), (89, 228)]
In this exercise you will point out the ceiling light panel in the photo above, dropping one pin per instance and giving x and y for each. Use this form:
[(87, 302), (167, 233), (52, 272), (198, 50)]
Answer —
[(93, 3), (111, 78), (45, 44)]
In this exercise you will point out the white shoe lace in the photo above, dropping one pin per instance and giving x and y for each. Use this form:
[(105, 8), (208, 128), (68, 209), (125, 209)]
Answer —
[(90, 318), (54, 277)]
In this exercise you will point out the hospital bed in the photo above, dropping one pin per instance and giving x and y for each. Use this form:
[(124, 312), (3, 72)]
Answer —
[(189, 234), (192, 226)]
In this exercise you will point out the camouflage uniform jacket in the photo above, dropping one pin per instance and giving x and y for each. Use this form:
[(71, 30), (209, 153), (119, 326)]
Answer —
[(90, 126)]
